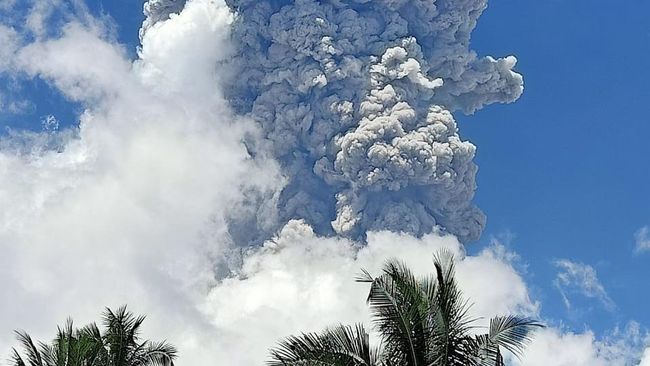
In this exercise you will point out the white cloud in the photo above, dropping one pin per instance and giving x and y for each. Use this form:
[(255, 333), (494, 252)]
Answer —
[(556, 347), (7, 4), (577, 277), (642, 237), (38, 17), (645, 360), (129, 209), (302, 282), (80, 64), (9, 44), (9, 40)]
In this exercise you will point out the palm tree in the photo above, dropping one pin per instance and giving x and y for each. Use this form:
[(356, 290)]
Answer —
[(119, 345), (421, 322), (71, 347)]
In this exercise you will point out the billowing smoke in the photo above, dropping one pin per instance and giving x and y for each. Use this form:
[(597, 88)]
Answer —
[(355, 98), (157, 11)]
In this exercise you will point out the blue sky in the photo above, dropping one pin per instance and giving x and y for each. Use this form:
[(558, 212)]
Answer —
[(564, 171), (565, 168)]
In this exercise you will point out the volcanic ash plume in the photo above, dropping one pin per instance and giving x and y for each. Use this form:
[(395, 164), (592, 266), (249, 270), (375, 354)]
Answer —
[(355, 99), (159, 10)]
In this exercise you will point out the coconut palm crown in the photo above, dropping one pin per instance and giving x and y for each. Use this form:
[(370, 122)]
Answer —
[(420, 321), (118, 345)]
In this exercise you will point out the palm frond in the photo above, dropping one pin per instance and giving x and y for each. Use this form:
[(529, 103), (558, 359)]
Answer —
[(120, 337), (155, 354), (512, 332), (399, 306), (16, 359), (32, 353), (483, 352), (339, 346), (449, 315), (422, 321), (118, 345)]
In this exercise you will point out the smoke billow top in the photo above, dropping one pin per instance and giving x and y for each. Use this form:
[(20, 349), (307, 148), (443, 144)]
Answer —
[(355, 100)]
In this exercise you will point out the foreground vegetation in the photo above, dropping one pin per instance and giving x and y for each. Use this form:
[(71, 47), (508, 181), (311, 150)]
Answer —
[(118, 345), (421, 322)]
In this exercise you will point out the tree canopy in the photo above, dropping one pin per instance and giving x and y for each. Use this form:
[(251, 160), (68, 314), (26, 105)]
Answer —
[(421, 321), (118, 345)]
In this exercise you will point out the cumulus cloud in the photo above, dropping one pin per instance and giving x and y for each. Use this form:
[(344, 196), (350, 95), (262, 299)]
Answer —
[(9, 39), (555, 347), (642, 237), (128, 208), (574, 277), (298, 274), (645, 360), (7, 4), (39, 14)]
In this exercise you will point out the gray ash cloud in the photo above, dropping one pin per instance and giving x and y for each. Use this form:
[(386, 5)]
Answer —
[(355, 100)]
